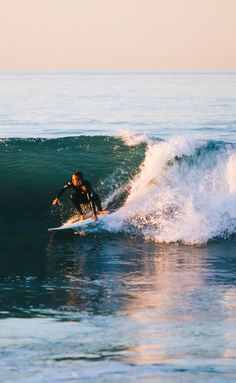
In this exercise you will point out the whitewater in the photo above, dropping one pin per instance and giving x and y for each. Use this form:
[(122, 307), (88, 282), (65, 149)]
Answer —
[(184, 191)]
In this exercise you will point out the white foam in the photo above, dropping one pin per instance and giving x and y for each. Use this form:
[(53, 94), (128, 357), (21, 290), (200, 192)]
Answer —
[(231, 172), (190, 200), (132, 138)]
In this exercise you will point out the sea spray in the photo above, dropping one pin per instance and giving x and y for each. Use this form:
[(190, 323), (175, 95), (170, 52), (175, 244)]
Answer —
[(184, 192), (231, 173)]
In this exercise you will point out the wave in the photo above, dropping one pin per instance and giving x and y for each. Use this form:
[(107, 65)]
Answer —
[(177, 190)]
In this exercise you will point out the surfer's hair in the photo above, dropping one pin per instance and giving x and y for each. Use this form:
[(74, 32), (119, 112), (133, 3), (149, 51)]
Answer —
[(79, 175)]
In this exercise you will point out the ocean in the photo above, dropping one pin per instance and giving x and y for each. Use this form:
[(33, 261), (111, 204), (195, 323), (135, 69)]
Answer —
[(148, 295)]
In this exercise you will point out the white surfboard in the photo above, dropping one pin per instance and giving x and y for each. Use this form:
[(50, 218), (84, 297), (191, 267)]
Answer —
[(78, 224)]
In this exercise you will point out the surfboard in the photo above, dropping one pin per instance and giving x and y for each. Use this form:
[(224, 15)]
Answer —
[(78, 224)]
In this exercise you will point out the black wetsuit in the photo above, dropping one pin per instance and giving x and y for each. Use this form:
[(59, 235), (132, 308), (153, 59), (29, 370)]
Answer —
[(82, 195)]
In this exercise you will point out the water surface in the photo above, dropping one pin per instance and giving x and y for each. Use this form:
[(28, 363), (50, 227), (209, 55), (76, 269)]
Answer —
[(149, 296)]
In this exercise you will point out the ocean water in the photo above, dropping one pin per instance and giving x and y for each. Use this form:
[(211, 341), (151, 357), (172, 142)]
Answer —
[(149, 295)]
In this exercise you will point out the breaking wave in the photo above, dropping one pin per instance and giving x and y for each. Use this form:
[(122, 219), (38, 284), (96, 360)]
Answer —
[(177, 190)]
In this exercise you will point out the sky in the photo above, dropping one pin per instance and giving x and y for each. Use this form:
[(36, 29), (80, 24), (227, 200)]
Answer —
[(118, 34)]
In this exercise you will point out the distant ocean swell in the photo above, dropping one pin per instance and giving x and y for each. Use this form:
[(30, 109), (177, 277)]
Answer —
[(166, 191)]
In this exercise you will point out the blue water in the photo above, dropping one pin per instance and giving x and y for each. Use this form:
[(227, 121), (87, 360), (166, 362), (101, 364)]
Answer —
[(150, 296), (159, 104)]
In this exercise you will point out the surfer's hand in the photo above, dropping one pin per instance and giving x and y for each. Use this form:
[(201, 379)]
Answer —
[(56, 202), (95, 217), (81, 218), (101, 212)]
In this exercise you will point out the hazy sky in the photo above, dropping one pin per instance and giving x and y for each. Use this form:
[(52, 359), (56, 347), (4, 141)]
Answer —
[(118, 34)]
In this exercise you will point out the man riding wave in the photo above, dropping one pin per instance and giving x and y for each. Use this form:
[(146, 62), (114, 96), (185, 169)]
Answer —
[(83, 194)]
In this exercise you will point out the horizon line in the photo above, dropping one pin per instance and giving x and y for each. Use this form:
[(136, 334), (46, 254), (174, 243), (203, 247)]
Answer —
[(120, 71)]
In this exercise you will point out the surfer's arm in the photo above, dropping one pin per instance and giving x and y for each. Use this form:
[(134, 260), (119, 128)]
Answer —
[(56, 201)]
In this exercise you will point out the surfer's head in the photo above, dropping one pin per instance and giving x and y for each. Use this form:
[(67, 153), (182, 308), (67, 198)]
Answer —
[(77, 178)]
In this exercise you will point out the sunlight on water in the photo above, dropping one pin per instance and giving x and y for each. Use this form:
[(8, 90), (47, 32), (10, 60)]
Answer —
[(136, 309)]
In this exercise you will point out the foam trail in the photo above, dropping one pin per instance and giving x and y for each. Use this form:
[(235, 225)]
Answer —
[(185, 191), (116, 193)]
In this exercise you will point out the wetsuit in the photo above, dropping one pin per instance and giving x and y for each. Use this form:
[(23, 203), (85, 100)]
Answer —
[(83, 194)]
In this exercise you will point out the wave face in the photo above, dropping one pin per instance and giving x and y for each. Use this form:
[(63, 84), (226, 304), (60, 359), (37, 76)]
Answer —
[(167, 191), (33, 170)]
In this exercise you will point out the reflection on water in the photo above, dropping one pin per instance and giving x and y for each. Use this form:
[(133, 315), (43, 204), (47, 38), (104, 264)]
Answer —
[(129, 307)]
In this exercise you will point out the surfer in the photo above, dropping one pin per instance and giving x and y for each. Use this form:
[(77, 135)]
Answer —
[(83, 194)]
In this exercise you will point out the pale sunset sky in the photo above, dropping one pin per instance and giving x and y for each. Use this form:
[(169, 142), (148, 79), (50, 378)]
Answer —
[(118, 34)]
